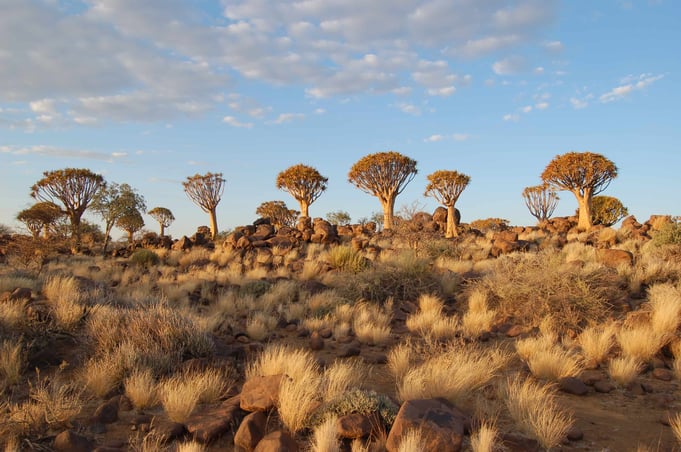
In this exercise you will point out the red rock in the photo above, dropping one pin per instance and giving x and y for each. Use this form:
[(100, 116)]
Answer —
[(353, 426), (663, 374), (251, 431), (210, 423), (260, 393), (69, 441), (614, 258), (277, 442)]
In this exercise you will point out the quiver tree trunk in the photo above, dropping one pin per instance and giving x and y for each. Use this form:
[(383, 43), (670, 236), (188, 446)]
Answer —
[(451, 223), (213, 224), (388, 209), (584, 220)]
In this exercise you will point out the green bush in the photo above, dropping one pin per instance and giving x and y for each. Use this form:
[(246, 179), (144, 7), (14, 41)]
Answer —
[(346, 258), (669, 234), (145, 258), (366, 402)]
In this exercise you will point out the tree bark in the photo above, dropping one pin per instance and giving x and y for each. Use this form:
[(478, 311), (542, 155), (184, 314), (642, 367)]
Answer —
[(304, 208), (388, 209), (584, 223), (130, 237), (213, 224), (163, 230), (451, 223)]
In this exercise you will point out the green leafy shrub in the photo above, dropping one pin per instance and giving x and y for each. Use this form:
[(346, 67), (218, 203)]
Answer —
[(669, 234), (358, 401), (145, 258)]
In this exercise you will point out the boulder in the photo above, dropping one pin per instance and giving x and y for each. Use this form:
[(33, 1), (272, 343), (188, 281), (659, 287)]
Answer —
[(441, 425), (183, 244), (69, 441), (21, 293), (277, 442), (251, 431), (211, 422), (614, 258), (353, 426), (260, 393), (107, 412)]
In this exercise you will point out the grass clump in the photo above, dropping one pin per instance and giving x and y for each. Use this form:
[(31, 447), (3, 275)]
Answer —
[(596, 343), (325, 438), (145, 258), (548, 360), (12, 362), (141, 388), (624, 369), (668, 234), (346, 258)]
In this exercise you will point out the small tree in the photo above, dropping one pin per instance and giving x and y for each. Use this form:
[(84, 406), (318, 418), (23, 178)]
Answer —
[(164, 217), (131, 222), (74, 188), (113, 203), (384, 175), (205, 190), (446, 187), (607, 210), (304, 183), (278, 213), (40, 216), (338, 217), (541, 201), (585, 174)]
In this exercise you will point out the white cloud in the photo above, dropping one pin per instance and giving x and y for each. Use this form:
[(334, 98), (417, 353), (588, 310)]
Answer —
[(509, 66), (512, 117), (541, 105), (288, 117), (578, 104), (554, 46), (434, 138), (630, 84), (409, 109), (232, 121), (319, 111), (538, 70), (527, 109), (64, 153)]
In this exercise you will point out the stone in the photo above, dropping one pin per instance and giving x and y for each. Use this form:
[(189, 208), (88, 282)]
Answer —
[(107, 412), (353, 426), (21, 293), (316, 341), (604, 387), (185, 243), (260, 393), (168, 430), (514, 442), (575, 434), (572, 385), (441, 425), (69, 441), (277, 441), (515, 331), (210, 423), (350, 351), (591, 377), (663, 374), (251, 431), (614, 258)]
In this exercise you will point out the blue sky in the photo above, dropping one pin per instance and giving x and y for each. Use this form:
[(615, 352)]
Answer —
[(148, 93)]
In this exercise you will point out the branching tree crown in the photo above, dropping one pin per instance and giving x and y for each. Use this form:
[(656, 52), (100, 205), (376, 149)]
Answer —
[(585, 174), (304, 183), (40, 217), (384, 175), (338, 217), (114, 202), (164, 217), (131, 222), (205, 190), (446, 187), (607, 210), (278, 213), (541, 201), (74, 188)]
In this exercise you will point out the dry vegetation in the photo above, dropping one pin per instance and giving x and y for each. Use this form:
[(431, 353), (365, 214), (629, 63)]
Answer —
[(428, 318)]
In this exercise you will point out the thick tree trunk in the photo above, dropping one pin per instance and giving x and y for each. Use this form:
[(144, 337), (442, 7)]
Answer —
[(388, 209), (304, 209), (130, 237), (163, 230), (451, 223), (75, 234), (213, 224), (584, 222)]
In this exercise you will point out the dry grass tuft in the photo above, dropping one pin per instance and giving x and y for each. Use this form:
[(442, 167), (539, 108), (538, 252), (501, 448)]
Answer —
[(191, 446), (548, 360), (484, 438), (298, 398), (141, 389), (179, 398), (452, 374), (665, 304), (411, 442), (675, 424), (640, 341), (624, 370), (325, 438), (371, 323), (102, 375), (536, 412), (277, 359), (260, 325), (479, 318), (12, 362), (341, 376), (400, 359), (596, 342)]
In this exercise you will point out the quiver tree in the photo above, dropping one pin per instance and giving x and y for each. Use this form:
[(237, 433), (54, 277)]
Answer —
[(585, 174), (115, 202), (74, 188), (607, 210), (384, 175), (131, 222), (164, 217), (40, 217), (278, 213), (304, 183), (446, 187), (541, 201), (338, 217), (205, 190)]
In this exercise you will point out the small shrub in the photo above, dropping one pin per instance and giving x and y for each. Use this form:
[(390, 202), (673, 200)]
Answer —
[(668, 234), (596, 342), (359, 401), (325, 437), (145, 258), (484, 438), (141, 389), (346, 258), (624, 370)]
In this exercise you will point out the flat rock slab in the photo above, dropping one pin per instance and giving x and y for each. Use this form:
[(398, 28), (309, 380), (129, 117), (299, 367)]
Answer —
[(277, 442), (211, 423)]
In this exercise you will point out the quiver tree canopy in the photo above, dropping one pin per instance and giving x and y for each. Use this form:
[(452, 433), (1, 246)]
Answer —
[(607, 210), (585, 174), (384, 175), (40, 216), (114, 202), (278, 213), (304, 183), (541, 201), (74, 188), (205, 190), (164, 217), (446, 187)]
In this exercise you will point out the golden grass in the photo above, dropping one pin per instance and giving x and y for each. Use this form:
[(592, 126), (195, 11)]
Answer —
[(548, 360), (297, 400), (341, 376), (13, 314), (624, 370), (412, 441), (484, 438), (453, 374), (640, 341), (10, 282), (12, 362), (400, 359), (371, 324), (260, 325), (665, 304), (277, 359), (536, 412), (179, 397), (596, 342), (479, 318), (141, 388), (191, 446), (102, 375), (675, 424), (325, 438)]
